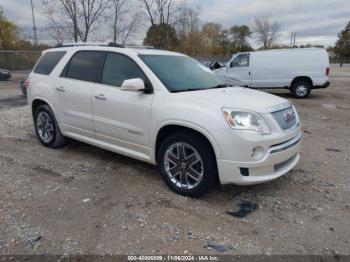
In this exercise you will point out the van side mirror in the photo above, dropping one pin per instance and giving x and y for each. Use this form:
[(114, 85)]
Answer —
[(133, 85)]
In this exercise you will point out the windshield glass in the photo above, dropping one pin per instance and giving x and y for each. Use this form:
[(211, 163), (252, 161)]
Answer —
[(182, 73)]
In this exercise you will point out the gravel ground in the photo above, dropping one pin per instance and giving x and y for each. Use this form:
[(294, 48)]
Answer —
[(83, 200)]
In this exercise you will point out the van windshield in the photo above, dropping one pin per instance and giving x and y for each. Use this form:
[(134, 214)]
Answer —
[(182, 73)]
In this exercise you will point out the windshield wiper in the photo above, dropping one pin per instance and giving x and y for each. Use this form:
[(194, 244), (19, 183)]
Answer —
[(198, 89), (186, 90), (220, 86)]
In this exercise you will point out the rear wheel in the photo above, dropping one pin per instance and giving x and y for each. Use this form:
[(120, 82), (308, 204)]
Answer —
[(46, 127), (301, 89), (187, 164)]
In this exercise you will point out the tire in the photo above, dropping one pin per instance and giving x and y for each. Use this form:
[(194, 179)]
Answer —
[(192, 173), (46, 128), (301, 89)]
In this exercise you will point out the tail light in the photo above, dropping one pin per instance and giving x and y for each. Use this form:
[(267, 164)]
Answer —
[(26, 83), (328, 71)]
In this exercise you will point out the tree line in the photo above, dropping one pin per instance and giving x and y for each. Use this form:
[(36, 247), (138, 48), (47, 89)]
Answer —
[(170, 24)]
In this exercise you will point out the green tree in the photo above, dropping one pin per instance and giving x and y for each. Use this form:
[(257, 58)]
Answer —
[(224, 42), (240, 35), (9, 32), (161, 35), (342, 47)]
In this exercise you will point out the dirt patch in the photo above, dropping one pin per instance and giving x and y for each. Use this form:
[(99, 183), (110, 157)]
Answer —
[(11, 102)]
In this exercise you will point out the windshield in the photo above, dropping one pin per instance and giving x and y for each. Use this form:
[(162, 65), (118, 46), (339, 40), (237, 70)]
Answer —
[(182, 73)]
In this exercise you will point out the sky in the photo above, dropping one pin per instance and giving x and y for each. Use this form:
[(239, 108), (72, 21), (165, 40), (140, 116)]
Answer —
[(314, 21)]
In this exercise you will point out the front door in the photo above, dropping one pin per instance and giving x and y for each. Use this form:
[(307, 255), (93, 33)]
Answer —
[(238, 69), (122, 118)]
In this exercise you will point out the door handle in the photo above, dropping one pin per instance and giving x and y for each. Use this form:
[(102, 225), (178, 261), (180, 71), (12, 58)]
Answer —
[(100, 97), (60, 89)]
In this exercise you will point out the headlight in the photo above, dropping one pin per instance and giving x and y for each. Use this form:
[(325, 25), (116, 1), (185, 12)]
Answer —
[(246, 121)]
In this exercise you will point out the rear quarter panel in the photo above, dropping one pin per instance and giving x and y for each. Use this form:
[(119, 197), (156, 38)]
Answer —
[(42, 87)]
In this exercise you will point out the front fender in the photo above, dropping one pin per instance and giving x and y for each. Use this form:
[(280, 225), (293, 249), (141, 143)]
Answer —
[(189, 125)]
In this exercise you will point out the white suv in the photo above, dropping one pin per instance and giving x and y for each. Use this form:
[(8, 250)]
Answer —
[(166, 109)]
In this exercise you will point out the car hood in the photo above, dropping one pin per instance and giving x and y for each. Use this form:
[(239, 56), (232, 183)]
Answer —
[(237, 98)]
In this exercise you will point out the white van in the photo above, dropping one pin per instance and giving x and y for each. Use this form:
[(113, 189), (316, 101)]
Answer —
[(299, 70)]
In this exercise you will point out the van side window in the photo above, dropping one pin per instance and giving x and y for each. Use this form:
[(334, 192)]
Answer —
[(48, 62), (118, 68), (241, 60), (85, 66)]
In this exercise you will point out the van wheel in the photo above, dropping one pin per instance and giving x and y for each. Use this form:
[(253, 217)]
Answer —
[(46, 127), (187, 164), (301, 89)]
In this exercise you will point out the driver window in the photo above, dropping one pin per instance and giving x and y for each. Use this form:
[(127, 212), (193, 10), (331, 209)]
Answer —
[(241, 60), (118, 68)]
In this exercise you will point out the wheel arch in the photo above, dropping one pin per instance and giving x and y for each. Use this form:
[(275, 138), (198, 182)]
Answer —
[(37, 101), (306, 79), (171, 128)]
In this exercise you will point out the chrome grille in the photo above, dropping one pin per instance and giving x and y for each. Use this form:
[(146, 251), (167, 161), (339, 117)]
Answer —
[(286, 118)]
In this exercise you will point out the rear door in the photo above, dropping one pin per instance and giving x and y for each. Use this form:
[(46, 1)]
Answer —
[(74, 90), (239, 69), (122, 118)]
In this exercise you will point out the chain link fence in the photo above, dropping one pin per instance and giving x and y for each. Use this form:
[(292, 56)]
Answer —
[(337, 61), (25, 60), (18, 60)]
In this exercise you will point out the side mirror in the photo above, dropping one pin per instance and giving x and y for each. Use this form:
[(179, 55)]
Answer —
[(134, 85)]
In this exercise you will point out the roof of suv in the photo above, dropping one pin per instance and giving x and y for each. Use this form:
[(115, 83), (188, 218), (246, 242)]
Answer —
[(136, 50)]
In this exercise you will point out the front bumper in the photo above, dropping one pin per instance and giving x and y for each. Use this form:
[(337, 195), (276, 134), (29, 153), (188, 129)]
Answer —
[(278, 160)]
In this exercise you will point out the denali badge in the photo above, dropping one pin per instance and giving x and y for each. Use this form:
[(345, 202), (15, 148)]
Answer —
[(289, 116)]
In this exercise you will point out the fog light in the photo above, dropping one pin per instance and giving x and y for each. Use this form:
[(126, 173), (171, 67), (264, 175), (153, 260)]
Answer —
[(258, 153)]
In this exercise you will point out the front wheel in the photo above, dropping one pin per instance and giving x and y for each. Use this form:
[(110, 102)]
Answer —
[(301, 89), (187, 164)]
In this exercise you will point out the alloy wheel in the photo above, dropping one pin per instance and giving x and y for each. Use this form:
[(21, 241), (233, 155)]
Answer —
[(45, 127), (183, 165)]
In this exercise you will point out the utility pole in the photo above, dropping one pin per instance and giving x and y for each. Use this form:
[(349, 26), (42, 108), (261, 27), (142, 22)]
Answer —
[(34, 27), (291, 40), (295, 36)]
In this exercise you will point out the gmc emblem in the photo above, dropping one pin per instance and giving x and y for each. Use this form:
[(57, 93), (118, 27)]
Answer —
[(289, 116)]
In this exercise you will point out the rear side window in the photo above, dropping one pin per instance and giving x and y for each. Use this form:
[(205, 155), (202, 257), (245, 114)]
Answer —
[(85, 66), (48, 62), (119, 68)]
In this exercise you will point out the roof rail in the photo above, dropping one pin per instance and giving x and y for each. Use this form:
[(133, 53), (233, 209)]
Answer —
[(140, 46), (89, 44), (115, 45)]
